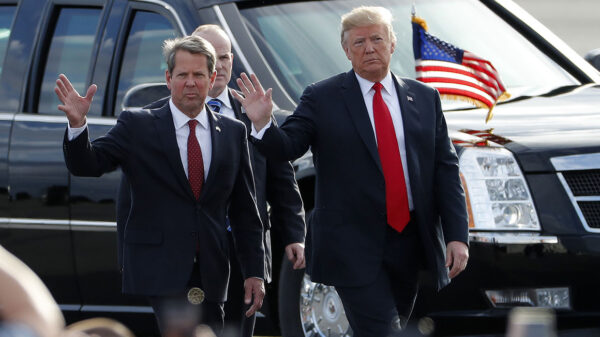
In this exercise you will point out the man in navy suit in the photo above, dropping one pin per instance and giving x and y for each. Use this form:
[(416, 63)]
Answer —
[(186, 167), (389, 200), (275, 183)]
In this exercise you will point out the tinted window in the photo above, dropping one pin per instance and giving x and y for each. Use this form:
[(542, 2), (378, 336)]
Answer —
[(7, 14), (302, 41), (143, 61), (70, 53)]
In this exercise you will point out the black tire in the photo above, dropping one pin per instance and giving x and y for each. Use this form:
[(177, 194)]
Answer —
[(290, 281)]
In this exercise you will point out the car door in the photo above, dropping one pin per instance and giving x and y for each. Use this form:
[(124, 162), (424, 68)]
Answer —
[(59, 38), (129, 54)]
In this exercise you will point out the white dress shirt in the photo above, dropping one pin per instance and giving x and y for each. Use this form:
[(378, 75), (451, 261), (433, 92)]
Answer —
[(182, 132), (390, 96)]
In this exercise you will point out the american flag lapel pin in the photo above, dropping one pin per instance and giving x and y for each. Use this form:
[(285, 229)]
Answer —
[(409, 98)]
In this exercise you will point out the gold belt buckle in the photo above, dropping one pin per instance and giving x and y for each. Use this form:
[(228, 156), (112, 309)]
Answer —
[(195, 295)]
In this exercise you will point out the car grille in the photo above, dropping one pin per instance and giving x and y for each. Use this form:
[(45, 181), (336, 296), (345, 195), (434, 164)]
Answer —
[(583, 183), (580, 176)]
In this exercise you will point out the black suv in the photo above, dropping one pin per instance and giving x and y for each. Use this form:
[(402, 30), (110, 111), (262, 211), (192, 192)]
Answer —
[(532, 174)]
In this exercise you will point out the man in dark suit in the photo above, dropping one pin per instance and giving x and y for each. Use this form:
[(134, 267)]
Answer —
[(275, 183), (186, 167), (388, 194)]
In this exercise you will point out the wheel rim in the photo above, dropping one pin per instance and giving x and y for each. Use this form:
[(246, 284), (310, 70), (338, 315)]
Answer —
[(321, 311)]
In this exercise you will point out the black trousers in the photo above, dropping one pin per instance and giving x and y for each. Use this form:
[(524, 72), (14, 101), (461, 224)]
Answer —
[(176, 316), (236, 322), (383, 307)]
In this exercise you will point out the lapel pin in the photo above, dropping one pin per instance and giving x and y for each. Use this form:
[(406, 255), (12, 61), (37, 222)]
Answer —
[(218, 129), (409, 98)]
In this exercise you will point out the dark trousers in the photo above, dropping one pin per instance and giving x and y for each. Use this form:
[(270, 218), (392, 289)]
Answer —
[(383, 307), (177, 317), (236, 322)]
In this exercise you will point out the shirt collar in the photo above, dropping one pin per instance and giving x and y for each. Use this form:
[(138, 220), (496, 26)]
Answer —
[(180, 119), (366, 85), (223, 97)]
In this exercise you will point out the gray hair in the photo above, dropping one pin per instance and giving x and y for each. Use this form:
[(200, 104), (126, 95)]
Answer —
[(366, 16), (192, 44)]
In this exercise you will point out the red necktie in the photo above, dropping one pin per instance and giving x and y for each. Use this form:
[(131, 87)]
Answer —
[(195, 162), (396, 197)]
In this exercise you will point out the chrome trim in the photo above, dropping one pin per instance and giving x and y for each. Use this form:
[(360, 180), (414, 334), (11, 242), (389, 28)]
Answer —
[(234, 42), (5, 116), (69, 307), (62, 119), (78, 225), (42, 224), (512, 238), (576, 162), (170, 9), (93, 226), (118, 308), (574, 202)]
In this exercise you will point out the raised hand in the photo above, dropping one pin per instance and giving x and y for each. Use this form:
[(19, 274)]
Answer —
[(73, 105), (257, 102)]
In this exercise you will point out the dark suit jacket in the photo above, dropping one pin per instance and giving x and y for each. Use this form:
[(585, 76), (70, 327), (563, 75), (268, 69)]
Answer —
[(348, 224), (166, 225), (275, 184)]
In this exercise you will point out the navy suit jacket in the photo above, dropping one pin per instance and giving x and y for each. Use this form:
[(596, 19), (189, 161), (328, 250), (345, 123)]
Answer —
[(166, 226), (276, 185), (348, 224)]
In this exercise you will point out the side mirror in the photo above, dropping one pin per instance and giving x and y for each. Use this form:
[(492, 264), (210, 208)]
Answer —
[(593, 57), (143, 94)]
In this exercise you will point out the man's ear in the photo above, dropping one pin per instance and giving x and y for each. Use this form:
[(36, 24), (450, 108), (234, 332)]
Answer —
[(168, 79), (212, 79)]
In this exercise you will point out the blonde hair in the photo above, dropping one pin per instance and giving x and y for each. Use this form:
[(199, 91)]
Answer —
[(366, 16)]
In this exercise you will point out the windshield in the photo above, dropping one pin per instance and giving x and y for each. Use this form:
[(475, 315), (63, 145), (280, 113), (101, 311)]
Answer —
[(301, 42)]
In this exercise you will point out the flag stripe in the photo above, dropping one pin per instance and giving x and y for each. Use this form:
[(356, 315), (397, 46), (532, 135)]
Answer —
[(484, 77), (450, 71), (432, 79), (451, 88)]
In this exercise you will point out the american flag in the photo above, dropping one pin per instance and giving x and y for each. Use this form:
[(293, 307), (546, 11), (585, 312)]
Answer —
[(454, 72)]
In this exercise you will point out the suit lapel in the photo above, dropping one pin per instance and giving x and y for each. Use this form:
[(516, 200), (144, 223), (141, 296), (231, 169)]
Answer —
[(215, 126), (412, 127), (166, 133), (358, 112), (237, 108)]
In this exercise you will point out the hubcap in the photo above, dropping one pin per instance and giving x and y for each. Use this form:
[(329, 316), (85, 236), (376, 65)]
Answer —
[(321, 311)]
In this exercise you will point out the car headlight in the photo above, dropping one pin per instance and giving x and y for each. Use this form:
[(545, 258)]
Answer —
[(496, 190)]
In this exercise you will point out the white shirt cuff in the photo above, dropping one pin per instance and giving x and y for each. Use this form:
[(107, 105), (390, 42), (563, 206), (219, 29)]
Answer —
[(261, 133), (72, 133)]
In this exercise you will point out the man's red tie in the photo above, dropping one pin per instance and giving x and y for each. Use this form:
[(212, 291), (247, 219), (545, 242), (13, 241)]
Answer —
[(396, 197), (195, 162)]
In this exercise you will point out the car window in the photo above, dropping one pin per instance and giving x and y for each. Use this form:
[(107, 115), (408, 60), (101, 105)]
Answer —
[(302, 41), (7, 14), (143, 60), (70, 53)]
